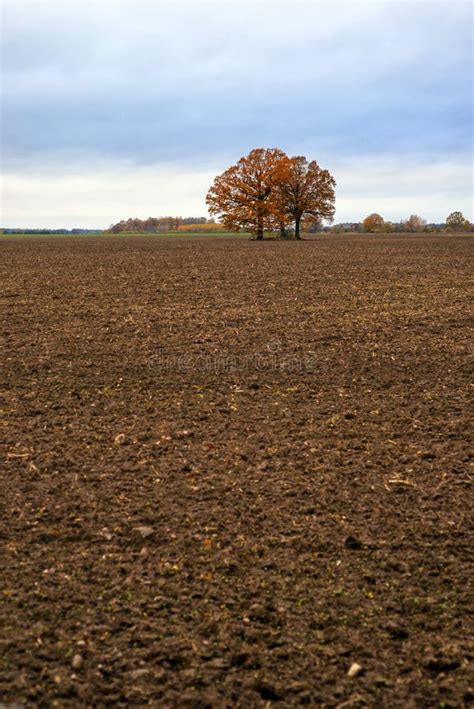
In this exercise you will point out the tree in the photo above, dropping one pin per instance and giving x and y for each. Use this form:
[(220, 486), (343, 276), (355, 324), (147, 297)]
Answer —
[(457, 221), (303, 191), (374, 222), (414, 223), (267, 190), (241, 195)]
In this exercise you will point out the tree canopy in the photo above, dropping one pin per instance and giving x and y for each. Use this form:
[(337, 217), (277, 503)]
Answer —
[(414, 223), (304, 190), (374, 222), (456, 220)]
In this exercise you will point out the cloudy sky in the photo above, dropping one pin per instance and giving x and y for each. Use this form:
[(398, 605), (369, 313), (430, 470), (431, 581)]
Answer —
[(116, 109)]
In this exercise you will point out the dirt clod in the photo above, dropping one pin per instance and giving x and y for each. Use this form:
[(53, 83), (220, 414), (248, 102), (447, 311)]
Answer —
[(352, 542), (396, 630), (142, 532)]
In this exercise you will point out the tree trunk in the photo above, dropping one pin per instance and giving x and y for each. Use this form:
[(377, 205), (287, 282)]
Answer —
[(259, 225), (297, 228), (282, 231)]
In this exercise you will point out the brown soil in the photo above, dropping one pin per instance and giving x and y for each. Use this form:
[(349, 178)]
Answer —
[(288, 422)]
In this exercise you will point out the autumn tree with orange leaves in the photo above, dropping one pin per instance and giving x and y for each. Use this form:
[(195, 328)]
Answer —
[(374, 222), (304, 190), (267, 190), (241, 195)]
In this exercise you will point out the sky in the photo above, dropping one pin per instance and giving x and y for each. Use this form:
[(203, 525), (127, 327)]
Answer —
[(127, 109)]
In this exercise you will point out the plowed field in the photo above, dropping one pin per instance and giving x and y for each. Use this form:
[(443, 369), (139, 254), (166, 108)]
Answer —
[(232, 471)]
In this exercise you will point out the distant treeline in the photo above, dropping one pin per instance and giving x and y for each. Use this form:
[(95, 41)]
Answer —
[(414, 224), (386, 228), (373, 223), (154, 225), (19, 230)]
